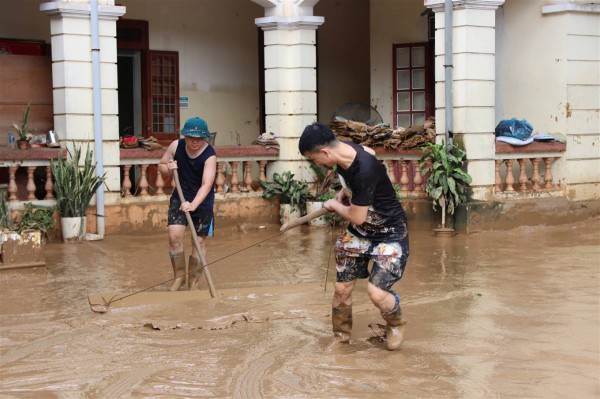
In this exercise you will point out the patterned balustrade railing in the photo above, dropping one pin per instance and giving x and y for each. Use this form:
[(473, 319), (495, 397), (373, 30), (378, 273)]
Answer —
[(27, 174), (238, 171), (404, 170), (527, 170)]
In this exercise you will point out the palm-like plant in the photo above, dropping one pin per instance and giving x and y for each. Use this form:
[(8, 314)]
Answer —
[(23, 130), (447, 182), (75, 186)]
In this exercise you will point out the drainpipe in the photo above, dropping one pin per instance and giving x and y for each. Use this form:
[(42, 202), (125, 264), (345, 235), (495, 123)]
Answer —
[(97, 115), (449, 108)]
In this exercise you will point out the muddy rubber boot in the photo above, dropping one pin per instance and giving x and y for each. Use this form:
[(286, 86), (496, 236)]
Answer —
[(341, 319), (394, 330), (178, 262), (195, 275)]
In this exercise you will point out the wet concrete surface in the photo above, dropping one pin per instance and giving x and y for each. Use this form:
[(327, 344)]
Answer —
[(511, 314)]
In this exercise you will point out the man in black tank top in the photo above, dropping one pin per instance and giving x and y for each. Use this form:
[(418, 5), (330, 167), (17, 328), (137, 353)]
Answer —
[(196, 163), (376, 231)]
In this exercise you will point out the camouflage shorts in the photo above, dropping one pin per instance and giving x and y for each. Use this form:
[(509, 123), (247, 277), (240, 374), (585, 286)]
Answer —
[(203, 219), (352, 255)]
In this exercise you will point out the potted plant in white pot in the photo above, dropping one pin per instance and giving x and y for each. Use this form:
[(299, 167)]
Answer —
[(74, 187), (292, 195), (447, 183)]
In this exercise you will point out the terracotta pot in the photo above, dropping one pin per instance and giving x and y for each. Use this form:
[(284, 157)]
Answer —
[(23, 144)]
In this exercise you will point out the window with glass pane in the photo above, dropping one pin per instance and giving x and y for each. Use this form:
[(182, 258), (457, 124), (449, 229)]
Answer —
[(164, 93), (411, 84)]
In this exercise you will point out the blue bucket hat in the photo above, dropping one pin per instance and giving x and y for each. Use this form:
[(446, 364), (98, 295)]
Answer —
[(195, 127)]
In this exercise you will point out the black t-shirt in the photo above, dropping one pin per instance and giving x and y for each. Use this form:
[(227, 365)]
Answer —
[(370, 186)]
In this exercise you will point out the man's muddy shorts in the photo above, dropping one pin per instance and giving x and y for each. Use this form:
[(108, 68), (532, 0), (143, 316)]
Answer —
[(352, 255), (203, 219)]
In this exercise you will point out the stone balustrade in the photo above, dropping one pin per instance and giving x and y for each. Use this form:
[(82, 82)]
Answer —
[(238, 171), (526, 170), (404, 170), (27, 173)]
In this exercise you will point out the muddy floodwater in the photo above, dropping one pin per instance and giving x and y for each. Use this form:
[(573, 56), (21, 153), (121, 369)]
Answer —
[(510, 314)]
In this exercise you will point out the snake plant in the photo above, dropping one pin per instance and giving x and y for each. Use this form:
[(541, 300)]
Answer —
[(75, 185)]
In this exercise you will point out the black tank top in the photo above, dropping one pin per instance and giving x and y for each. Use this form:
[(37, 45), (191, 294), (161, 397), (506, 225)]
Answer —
[(190, 174)]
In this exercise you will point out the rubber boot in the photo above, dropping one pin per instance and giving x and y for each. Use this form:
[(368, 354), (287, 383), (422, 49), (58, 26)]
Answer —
[(195, 275), (341, 319), (394, 330), (178, 262)]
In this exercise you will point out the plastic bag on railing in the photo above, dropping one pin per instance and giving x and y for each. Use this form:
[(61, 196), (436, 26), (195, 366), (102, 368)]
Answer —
[(515, 128)]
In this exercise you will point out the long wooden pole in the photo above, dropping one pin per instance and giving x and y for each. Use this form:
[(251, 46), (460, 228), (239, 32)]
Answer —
[(304, 219), (211, 287)]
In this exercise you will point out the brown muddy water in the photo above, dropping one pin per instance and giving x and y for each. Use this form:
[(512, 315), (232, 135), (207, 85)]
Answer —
[(492, 315)]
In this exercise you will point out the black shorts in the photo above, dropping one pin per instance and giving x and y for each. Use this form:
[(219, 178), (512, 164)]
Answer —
[(203, 219)]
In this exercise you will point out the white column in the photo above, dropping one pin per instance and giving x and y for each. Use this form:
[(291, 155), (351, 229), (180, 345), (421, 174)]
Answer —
[(70, 29), (474, 85), (290, 77)]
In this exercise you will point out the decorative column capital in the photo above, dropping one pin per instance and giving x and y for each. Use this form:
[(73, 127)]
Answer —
[(81, 10), (438, 5), (288, 15)]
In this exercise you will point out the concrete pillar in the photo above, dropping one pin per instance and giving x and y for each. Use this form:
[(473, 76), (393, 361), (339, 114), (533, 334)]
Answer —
[(70, 29), (474, 85), (290, 77)]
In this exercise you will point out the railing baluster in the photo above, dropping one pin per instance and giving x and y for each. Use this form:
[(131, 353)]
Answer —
[(510, 179), (391, 170), (522, 175), (49, 184), (126, 181), (548, 175), (234, 177), (220, 179), (248, 175), (403, 176), (536, 174), (418, 178), (30, 183), (262, 166), (160, 183), (12, 185), (498, 179), (143, 184)]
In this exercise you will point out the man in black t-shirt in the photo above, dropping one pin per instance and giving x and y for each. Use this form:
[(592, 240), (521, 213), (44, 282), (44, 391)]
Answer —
[(376, 231)]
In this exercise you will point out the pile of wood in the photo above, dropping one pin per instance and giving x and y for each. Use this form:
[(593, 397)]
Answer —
[(383, 136)]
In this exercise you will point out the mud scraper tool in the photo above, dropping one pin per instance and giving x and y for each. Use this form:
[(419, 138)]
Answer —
[(99, 304)]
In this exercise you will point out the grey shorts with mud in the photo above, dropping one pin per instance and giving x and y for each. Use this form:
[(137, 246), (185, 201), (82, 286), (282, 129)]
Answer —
[(352, 255)]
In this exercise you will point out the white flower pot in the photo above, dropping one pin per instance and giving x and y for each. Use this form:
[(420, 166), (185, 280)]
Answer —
[(287, 213), (312, 207), (73, 229)]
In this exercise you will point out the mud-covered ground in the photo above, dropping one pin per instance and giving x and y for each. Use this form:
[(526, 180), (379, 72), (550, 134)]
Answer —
[(492, 315)]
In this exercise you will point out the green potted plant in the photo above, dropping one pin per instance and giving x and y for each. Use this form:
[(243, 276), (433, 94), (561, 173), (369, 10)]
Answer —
[(447, 183), (292, 194), (23, 130), (74, 187), (21, 242)]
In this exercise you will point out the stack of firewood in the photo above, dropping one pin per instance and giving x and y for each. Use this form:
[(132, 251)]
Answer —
[(383, 136)]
